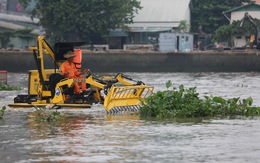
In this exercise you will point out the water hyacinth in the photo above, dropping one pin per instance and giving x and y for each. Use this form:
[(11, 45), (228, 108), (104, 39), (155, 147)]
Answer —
[(42, 115), (182, 102), (2, 111)]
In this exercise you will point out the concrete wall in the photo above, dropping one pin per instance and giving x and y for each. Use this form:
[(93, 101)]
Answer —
[(146, 62)]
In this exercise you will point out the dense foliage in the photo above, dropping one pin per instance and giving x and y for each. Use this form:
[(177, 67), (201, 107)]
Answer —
[(88, 20), (187, 103), (208, 14)]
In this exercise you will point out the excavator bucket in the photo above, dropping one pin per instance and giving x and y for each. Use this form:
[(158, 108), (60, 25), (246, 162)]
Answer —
[(126, 98)]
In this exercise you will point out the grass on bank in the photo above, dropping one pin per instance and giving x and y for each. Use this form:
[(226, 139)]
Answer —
[(185, 103), (6, 87)]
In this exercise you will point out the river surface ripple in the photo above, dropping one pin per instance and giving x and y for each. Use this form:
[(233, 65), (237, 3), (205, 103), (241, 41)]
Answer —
[(89, 135)]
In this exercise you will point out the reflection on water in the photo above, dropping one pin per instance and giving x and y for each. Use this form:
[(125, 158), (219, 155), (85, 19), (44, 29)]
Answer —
[(89, 135), (85, 137), (130, 139)]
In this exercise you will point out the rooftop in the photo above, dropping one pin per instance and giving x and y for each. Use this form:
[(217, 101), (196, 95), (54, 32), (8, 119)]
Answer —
[(161, 15)]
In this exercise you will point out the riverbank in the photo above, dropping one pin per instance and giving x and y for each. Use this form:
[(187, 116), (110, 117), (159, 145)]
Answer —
[(145, 61)]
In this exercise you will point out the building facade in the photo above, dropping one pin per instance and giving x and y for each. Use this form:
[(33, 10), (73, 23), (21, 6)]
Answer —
[(14, 17), (154, 18)]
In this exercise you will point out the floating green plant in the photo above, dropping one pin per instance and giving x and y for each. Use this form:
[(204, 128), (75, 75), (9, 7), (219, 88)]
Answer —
[(2, 111), (41, 114), (181, 102)]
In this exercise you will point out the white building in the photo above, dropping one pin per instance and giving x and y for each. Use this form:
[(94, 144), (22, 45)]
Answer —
[(163, 15), (155, 17), (237, 14)]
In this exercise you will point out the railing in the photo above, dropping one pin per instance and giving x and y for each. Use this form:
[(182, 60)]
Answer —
[(138, 47), (17, 16), (95, 47)]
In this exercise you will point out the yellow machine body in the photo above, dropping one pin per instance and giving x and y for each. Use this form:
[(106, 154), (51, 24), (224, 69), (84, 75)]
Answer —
[(34, 86), (48, 87)]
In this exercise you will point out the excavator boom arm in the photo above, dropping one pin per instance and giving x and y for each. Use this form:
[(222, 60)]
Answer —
[(249, 18)]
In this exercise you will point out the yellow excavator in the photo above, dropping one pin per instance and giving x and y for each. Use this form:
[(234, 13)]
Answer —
[(254, 39), (47, 87)]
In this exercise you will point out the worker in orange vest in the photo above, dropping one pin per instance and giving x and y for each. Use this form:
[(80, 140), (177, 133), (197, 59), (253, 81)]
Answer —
[(69, 70)]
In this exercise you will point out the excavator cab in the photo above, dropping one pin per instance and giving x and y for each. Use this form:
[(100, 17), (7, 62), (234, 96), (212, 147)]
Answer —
[(63, 47), (60, 49)]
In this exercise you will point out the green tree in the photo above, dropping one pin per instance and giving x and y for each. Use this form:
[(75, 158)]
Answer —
[(5, 36), (208, 14), (183, 26), (88, 20), (225, 32)]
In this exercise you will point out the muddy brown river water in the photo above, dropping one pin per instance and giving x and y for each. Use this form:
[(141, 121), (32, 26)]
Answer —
[(89, 135)]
